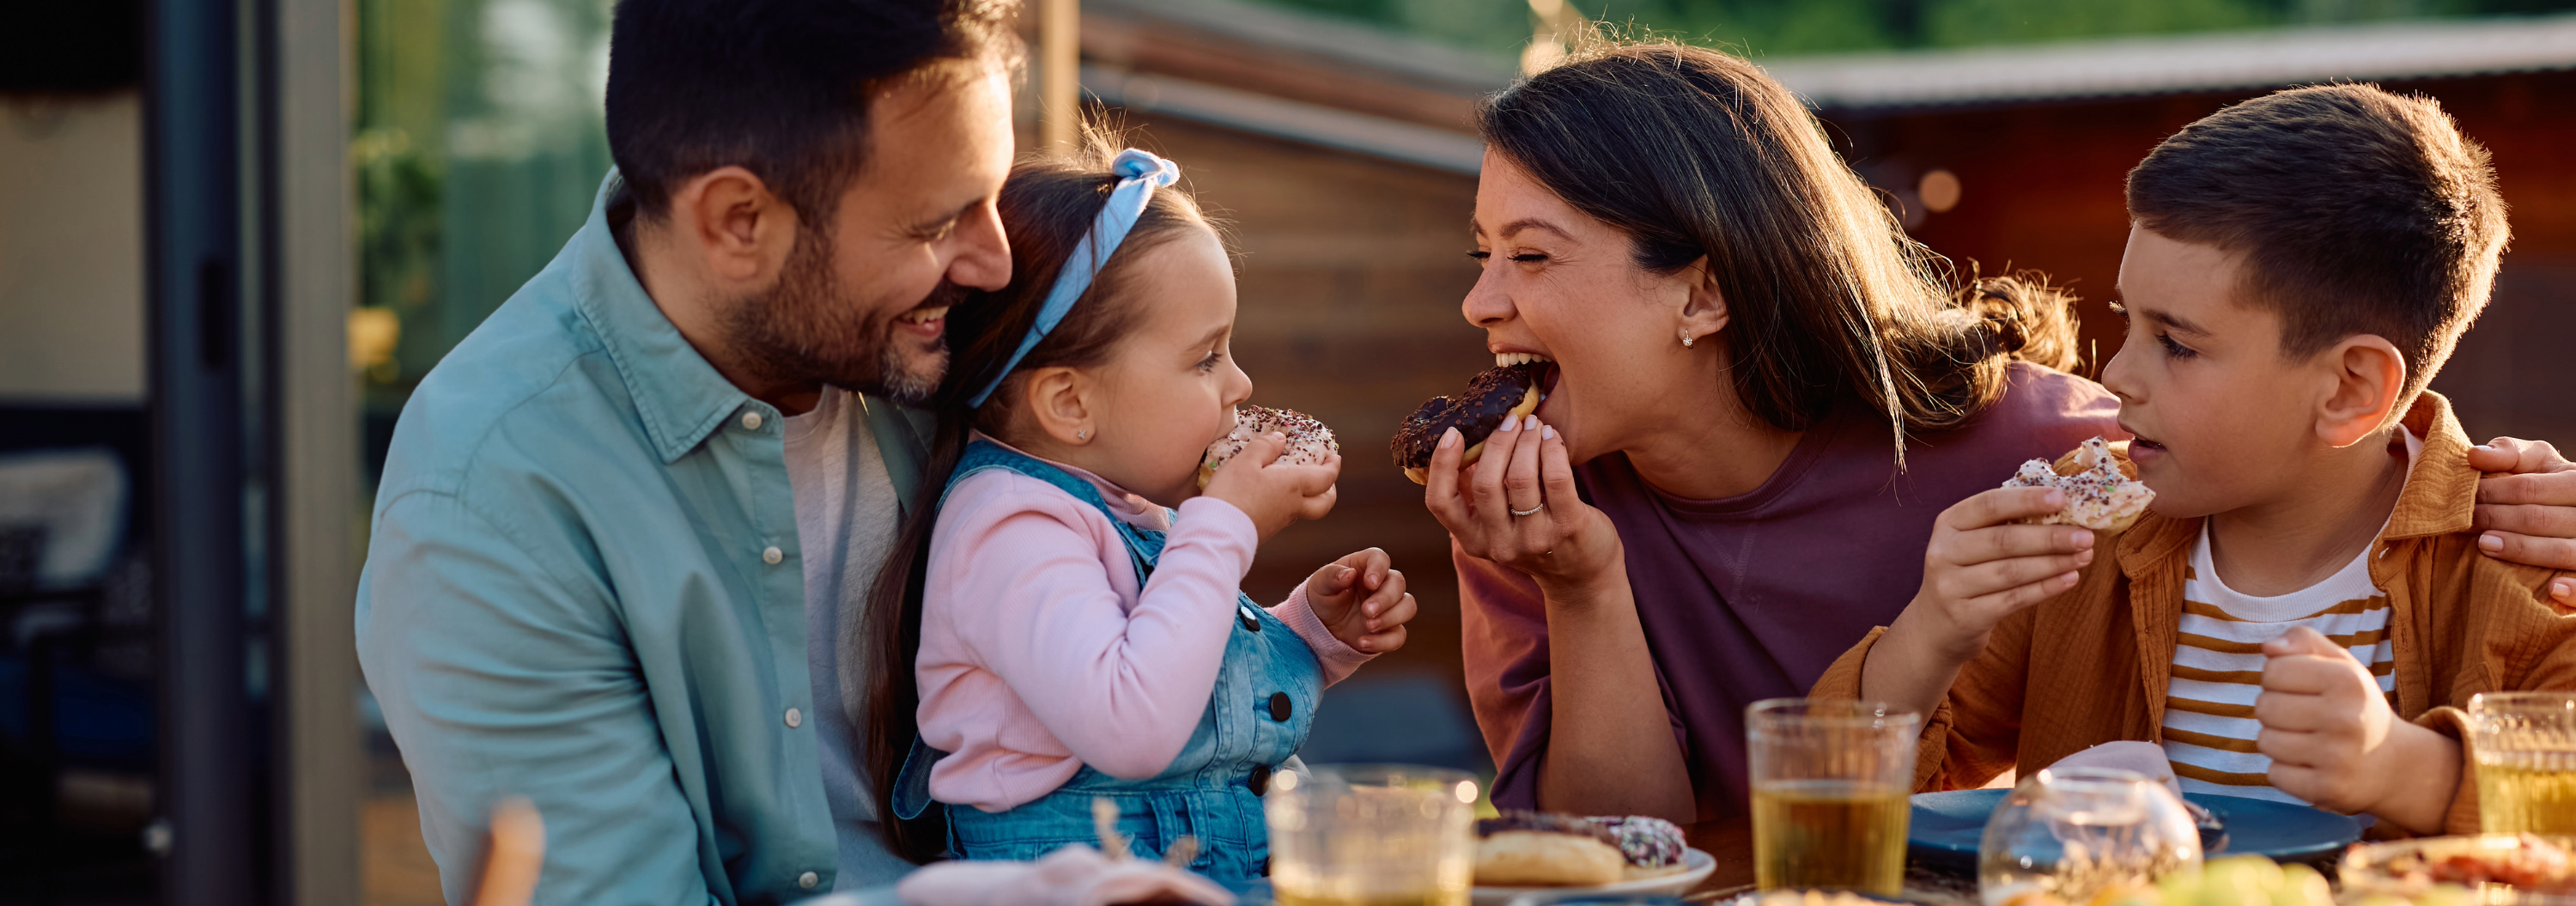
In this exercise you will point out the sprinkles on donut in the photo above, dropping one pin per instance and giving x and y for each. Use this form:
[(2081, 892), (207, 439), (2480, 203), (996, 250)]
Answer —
[(1309, 442)]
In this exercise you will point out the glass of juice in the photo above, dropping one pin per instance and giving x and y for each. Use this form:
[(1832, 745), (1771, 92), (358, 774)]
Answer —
[(2526, 749), (1830, 781), (1372, 835)]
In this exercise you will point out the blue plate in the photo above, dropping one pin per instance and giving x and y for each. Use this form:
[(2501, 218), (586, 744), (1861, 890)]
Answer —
[(1946, 828)]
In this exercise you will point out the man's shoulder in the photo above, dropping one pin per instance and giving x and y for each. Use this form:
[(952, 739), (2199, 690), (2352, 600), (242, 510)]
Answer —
[(531, 389)]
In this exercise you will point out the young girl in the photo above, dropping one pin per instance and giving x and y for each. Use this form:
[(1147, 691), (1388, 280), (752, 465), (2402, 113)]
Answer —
[(1072, 627)]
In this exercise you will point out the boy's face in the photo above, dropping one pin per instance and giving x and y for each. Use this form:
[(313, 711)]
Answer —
[(2222, 420)]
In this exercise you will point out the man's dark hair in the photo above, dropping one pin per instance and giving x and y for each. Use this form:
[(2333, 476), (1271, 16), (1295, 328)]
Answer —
[(778, 87), (2355, 211)]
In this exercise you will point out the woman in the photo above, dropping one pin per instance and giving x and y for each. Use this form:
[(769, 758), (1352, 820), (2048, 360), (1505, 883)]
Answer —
[(1763, 397)]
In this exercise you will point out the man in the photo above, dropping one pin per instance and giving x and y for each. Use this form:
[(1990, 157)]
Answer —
[(625, 523)]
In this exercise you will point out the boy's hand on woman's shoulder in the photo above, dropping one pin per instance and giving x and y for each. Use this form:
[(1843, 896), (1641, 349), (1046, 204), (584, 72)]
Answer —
[(1361, 598), (2526, 509), (2334, 741)]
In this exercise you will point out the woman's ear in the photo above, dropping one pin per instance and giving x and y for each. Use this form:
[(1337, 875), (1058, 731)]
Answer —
[(1058, 402), (1704, 312), (2368, 374)]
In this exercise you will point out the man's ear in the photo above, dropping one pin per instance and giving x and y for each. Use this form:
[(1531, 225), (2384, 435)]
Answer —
[(1058, 402), (1704, 313), (728, 218), (2368, 374)]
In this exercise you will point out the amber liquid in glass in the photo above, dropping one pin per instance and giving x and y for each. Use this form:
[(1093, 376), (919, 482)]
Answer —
[(1289, 897), (2527, 792), (1829, 833)]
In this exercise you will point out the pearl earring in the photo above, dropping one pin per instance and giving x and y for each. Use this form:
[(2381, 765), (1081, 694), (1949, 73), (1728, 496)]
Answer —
[(1687, 340)]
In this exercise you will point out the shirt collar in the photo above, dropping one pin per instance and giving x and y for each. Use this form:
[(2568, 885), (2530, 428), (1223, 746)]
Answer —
[(681, 397)]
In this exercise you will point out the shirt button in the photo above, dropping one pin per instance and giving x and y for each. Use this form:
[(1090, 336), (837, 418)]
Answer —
[(808, 880), (795, 718), (751, 421), (772, 556), (1279, 709)]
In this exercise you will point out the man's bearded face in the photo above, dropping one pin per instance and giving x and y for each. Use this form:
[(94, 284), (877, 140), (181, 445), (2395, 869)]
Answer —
[(809, 328)]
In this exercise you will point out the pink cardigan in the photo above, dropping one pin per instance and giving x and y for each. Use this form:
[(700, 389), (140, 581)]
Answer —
[(1039, 654)]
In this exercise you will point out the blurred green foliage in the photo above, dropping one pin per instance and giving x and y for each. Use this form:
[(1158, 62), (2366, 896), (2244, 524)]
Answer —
[(1770, 27)]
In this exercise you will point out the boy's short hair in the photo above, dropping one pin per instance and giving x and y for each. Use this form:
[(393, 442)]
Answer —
[(778, 87), (2355, 211)]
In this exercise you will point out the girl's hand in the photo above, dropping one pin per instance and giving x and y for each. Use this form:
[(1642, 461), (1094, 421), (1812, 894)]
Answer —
[(1362, 601), (1983, 566), (1563, 543), (1273, 494)]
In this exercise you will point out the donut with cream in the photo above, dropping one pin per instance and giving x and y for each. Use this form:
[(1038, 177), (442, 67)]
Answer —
[(1309, 442), (2103, 492), (1497, 395)]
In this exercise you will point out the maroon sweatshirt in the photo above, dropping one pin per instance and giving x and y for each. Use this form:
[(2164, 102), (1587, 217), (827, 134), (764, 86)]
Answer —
[(1751, 597)]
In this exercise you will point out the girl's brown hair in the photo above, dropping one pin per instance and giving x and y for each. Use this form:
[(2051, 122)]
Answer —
[(1047, 205), (1694, 153)]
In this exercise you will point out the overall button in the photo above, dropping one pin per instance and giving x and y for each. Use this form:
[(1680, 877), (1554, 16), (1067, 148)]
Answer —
[(808, 880), (795, 718), (1259, 782), (1249, 621), (1279, 709)]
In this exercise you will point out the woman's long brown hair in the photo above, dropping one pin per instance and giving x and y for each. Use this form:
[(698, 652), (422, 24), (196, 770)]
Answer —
[(1047, 205), (1694, 153)]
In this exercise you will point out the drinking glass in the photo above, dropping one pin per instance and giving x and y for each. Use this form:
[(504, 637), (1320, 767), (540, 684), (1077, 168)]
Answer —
[(2077, 832), (1372, 835), (2526, 744), (1830, 780)]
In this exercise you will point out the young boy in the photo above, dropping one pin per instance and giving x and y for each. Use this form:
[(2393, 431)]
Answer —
[(2305, 609)]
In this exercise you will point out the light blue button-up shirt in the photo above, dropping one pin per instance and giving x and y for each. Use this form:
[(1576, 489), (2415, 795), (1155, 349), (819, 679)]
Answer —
[(584, 587)]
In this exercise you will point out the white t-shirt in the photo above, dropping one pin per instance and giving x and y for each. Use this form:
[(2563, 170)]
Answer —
[(846, 520), (2209, 725)]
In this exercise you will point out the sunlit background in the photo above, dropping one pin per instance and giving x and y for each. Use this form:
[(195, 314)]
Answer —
[(1334, 135)]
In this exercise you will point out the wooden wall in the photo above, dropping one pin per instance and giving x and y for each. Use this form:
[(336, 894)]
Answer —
[(2042, 189)]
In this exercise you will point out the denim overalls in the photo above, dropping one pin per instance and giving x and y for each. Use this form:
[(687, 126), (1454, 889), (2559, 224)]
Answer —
[(1256, 717)]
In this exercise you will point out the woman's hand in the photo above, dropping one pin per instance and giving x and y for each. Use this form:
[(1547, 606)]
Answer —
[(1556, 538), (1275, 494), (2529, 515), (1362, 600)]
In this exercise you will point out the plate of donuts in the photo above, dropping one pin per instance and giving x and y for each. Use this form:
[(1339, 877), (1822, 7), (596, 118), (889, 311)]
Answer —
[(1522, 853)]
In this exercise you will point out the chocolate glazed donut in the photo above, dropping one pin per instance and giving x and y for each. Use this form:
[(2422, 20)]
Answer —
[(1498, 394)]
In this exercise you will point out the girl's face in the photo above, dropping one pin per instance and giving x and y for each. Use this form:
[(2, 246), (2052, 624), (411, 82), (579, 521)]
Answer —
[(1562, 285), (1169, 389)]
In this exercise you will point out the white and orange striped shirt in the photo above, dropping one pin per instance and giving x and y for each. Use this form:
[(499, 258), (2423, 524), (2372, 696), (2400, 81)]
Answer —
[(2209, 725)]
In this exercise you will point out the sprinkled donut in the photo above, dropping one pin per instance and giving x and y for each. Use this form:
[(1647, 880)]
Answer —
[(1309, 442), (2102, 488)]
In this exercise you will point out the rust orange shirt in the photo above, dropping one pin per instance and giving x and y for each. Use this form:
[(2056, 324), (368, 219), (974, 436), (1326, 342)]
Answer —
[(2093, 665)]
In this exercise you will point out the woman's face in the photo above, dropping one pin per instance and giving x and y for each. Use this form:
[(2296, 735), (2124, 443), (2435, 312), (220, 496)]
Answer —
[(1562, 285)]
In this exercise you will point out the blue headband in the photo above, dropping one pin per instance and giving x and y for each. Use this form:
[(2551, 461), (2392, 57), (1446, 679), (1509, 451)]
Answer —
[(1139, 173)]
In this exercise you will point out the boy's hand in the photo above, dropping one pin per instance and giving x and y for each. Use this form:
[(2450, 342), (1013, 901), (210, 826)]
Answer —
[(1983, 566), (1362, 601), (2334, 741), (1275, 495)]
